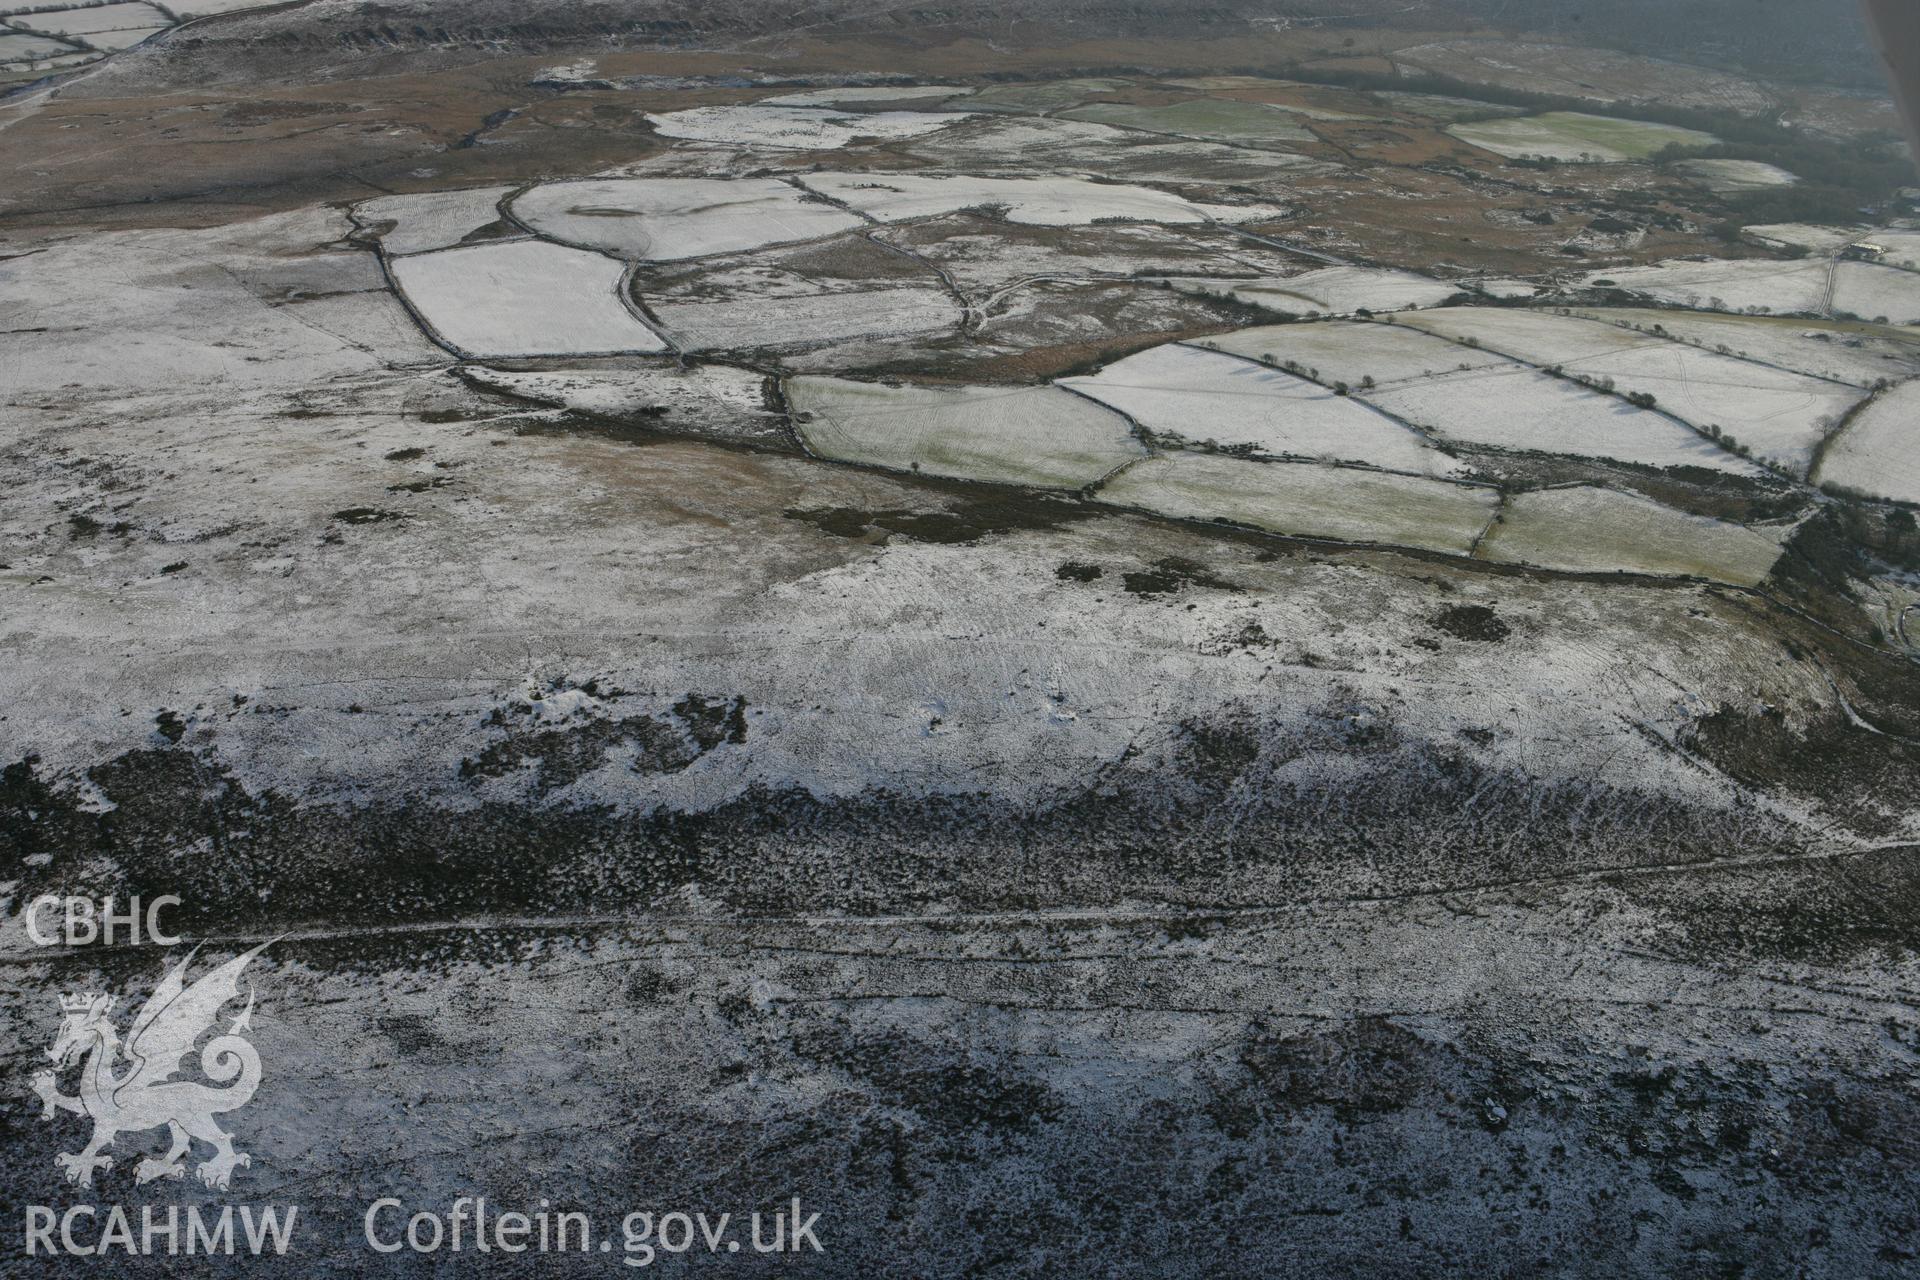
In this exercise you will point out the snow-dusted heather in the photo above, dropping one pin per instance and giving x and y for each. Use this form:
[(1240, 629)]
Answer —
[(1757, 285), (796, 128), (88, 21), (1838, 350), (1208, 398), (1514, 407), (712, 400), (1055, 202), (1879, 451), (1575, 135), (1781, 415), (523, 298), (667, 219), (1587, 529), (1873, 292), (1332, 291), (856, 97), (1727, 177), (429, 220), (1040, 436), (1330, 351), (1308, 500), (1253, 124), (805, 320)]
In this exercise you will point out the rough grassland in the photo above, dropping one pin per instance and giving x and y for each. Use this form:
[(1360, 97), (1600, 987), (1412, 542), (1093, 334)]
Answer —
[(1592, 530), (1308, 500)]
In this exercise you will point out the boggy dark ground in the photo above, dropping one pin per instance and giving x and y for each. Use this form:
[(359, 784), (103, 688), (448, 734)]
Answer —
[(1428, 1021)]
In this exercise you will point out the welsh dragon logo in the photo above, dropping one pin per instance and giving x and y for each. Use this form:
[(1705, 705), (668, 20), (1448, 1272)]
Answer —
[(137, 1093)]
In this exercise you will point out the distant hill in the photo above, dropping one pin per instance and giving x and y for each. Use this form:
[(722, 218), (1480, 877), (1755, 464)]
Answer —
[(1821, 40)]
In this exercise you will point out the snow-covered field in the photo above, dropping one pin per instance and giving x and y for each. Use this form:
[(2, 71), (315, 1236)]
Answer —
[(1837, 350), (1308, 500), (1727, 177), (1574, 135), (795, 128), (1041, 96), (89, 21), (896, 197), (1801, 235), (1744, 284), (187, 9), (1879, 451), (1538, 338), (114, 41), (1782, 416), (1039, 436), (1903, 248), (1352, 352), (1208, 398), (807, 319), (15, 47), (1514, 407), (1019, 145), (666, 219), (429, 220), (986, 256), (523, 298), (164, 295), (1333, 291), (1873, 292), (1586, 529), (859, 97)]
